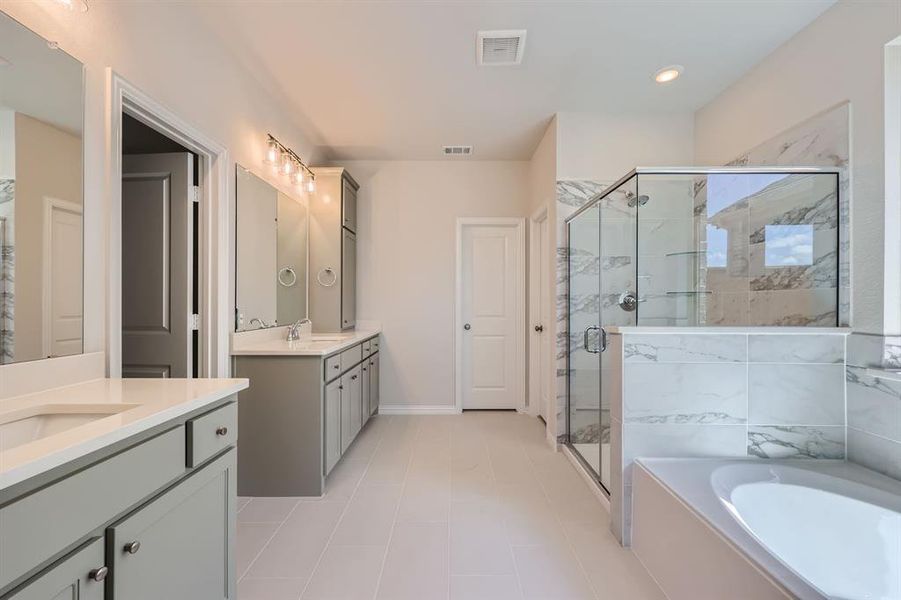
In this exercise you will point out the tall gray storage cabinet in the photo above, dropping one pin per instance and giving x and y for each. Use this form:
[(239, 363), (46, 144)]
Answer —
[(333, 251)]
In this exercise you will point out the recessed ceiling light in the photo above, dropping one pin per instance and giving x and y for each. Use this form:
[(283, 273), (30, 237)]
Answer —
[(74, 5), (668, 74)]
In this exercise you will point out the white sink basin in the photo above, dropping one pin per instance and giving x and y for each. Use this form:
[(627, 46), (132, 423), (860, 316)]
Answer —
[(29, 424)]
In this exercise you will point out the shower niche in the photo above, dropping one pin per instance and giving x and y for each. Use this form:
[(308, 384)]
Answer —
[(693, 248)]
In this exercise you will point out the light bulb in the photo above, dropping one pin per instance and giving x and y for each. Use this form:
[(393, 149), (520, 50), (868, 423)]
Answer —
[(74, 5), (287, 164), (297, 178), (311, 185), (272, 153)]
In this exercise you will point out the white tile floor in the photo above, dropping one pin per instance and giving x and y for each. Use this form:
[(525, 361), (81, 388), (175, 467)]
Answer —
[(474, 506)]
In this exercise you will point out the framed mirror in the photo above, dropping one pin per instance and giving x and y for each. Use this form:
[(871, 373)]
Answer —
[(272, 238), (41, 197)]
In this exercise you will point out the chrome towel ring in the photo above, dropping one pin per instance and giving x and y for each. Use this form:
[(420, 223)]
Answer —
[(287, 277), (330, 277)]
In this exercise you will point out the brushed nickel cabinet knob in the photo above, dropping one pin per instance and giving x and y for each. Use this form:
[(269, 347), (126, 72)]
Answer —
[(222, 430), (98, 574), (133, 547)]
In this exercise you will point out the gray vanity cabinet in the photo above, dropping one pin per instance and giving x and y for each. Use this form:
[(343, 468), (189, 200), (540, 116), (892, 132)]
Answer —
[(348, 279), (78, 577), (347, 427), (349, 204), (332, 424), (178, 545), (366, 385), (374, 383)]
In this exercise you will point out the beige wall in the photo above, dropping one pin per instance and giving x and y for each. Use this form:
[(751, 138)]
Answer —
[(406, 261), (175, 61), (838, 57), (48, 165)]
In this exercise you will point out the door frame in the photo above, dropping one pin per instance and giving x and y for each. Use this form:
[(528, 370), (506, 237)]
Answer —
[(520, 284), (538, 310), (213, 226), (47, 269)]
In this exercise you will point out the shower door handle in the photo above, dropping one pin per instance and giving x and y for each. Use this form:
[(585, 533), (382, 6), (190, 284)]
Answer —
[(585, 335)]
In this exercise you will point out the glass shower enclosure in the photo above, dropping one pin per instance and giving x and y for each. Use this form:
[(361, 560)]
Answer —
[(692, 247)]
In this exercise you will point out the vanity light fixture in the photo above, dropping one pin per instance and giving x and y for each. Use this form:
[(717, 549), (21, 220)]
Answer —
[(288, 163), (668, 74), (74, 5)]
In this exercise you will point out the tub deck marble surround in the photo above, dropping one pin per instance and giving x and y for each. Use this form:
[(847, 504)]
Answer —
[(470, 506), (147, 402), (722, 392)]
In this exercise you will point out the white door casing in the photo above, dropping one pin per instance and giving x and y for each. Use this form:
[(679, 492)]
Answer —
[(539, 315), (490, 313), (62, 265)]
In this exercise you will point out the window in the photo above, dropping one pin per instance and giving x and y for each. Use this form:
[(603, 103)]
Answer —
[(788, 245)]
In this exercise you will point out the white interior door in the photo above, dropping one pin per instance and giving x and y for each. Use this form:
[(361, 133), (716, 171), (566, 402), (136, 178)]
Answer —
[(490, 295), (157, 248), (63, 297)]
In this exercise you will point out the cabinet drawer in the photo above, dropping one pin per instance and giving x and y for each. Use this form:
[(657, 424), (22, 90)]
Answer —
[(212, 433), (367, 348), (332, 367), (41, 524), (374, 345), (351, 357), (78, 576)]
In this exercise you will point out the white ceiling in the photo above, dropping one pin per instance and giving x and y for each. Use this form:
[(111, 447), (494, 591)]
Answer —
[(375, 79)]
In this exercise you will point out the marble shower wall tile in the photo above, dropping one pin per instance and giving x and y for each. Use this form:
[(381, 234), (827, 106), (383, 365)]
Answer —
[(7, 270), (685, 348), (701, 393), (796, 394), (874, 452), (874, 404), (796, 348), (795, 441), (794, 308)]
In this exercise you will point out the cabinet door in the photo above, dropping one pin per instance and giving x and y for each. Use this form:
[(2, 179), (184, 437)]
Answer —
[(179, 545), (78, 577), (348, 205), (364, 401), (332, 425), (347, 433), (374, 383), (356, 400), (348, 279)]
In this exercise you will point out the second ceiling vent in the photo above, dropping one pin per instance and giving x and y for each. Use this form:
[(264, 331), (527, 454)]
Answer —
[(501, 48)]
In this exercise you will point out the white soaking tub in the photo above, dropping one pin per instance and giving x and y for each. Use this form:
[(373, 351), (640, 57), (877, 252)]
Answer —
[(768, 529)]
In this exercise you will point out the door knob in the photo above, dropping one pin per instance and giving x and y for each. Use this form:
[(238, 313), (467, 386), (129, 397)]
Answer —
[(539, 328), (133, 547), (98, 574), (467, 327)]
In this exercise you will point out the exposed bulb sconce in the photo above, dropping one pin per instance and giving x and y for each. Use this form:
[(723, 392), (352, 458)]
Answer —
[(74, 5), (289, 164)]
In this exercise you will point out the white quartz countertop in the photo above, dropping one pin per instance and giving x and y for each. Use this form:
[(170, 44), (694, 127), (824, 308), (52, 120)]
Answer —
[(136, 405), (317, 344)]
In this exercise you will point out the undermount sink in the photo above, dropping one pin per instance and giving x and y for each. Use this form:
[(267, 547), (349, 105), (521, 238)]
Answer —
[(29, 424)]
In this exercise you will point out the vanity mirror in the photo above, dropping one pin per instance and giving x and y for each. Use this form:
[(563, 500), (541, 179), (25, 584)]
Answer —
[(272, 232), (41, 197)]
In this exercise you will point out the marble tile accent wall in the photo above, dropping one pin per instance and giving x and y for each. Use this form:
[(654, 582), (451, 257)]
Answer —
[(7, 270), (740, 393), (874, 403)]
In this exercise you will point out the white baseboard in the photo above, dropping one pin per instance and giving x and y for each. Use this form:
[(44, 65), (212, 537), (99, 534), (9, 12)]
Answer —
[(417, 409), (592, 485)]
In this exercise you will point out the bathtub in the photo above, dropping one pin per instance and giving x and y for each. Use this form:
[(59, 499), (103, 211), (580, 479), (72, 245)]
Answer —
[(756, 529)]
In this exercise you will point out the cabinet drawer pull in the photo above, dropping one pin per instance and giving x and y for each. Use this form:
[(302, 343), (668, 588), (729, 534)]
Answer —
[(336, 367), (364, 369), (98, 574), (340, 387), (133, 547), (353, 376), (222, 431)]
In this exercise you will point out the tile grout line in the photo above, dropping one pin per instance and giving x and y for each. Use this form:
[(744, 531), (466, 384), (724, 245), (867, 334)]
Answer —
[(350, 499), (403, 489), (268, 541)]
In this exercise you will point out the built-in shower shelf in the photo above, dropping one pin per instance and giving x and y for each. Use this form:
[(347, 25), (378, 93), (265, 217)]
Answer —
[(686, 253), (688, 293)]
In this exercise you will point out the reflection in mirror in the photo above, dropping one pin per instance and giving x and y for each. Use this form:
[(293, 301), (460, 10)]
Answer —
[(271, 255), (41, 200)]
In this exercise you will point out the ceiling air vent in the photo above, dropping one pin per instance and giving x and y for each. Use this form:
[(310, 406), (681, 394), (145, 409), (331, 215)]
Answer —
[(457, 150), (501, 48)]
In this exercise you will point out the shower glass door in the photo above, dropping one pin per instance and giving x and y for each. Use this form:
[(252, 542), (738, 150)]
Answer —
[(602, 293)]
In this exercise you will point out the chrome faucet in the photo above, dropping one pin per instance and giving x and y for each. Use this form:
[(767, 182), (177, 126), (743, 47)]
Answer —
[(294, 329)]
